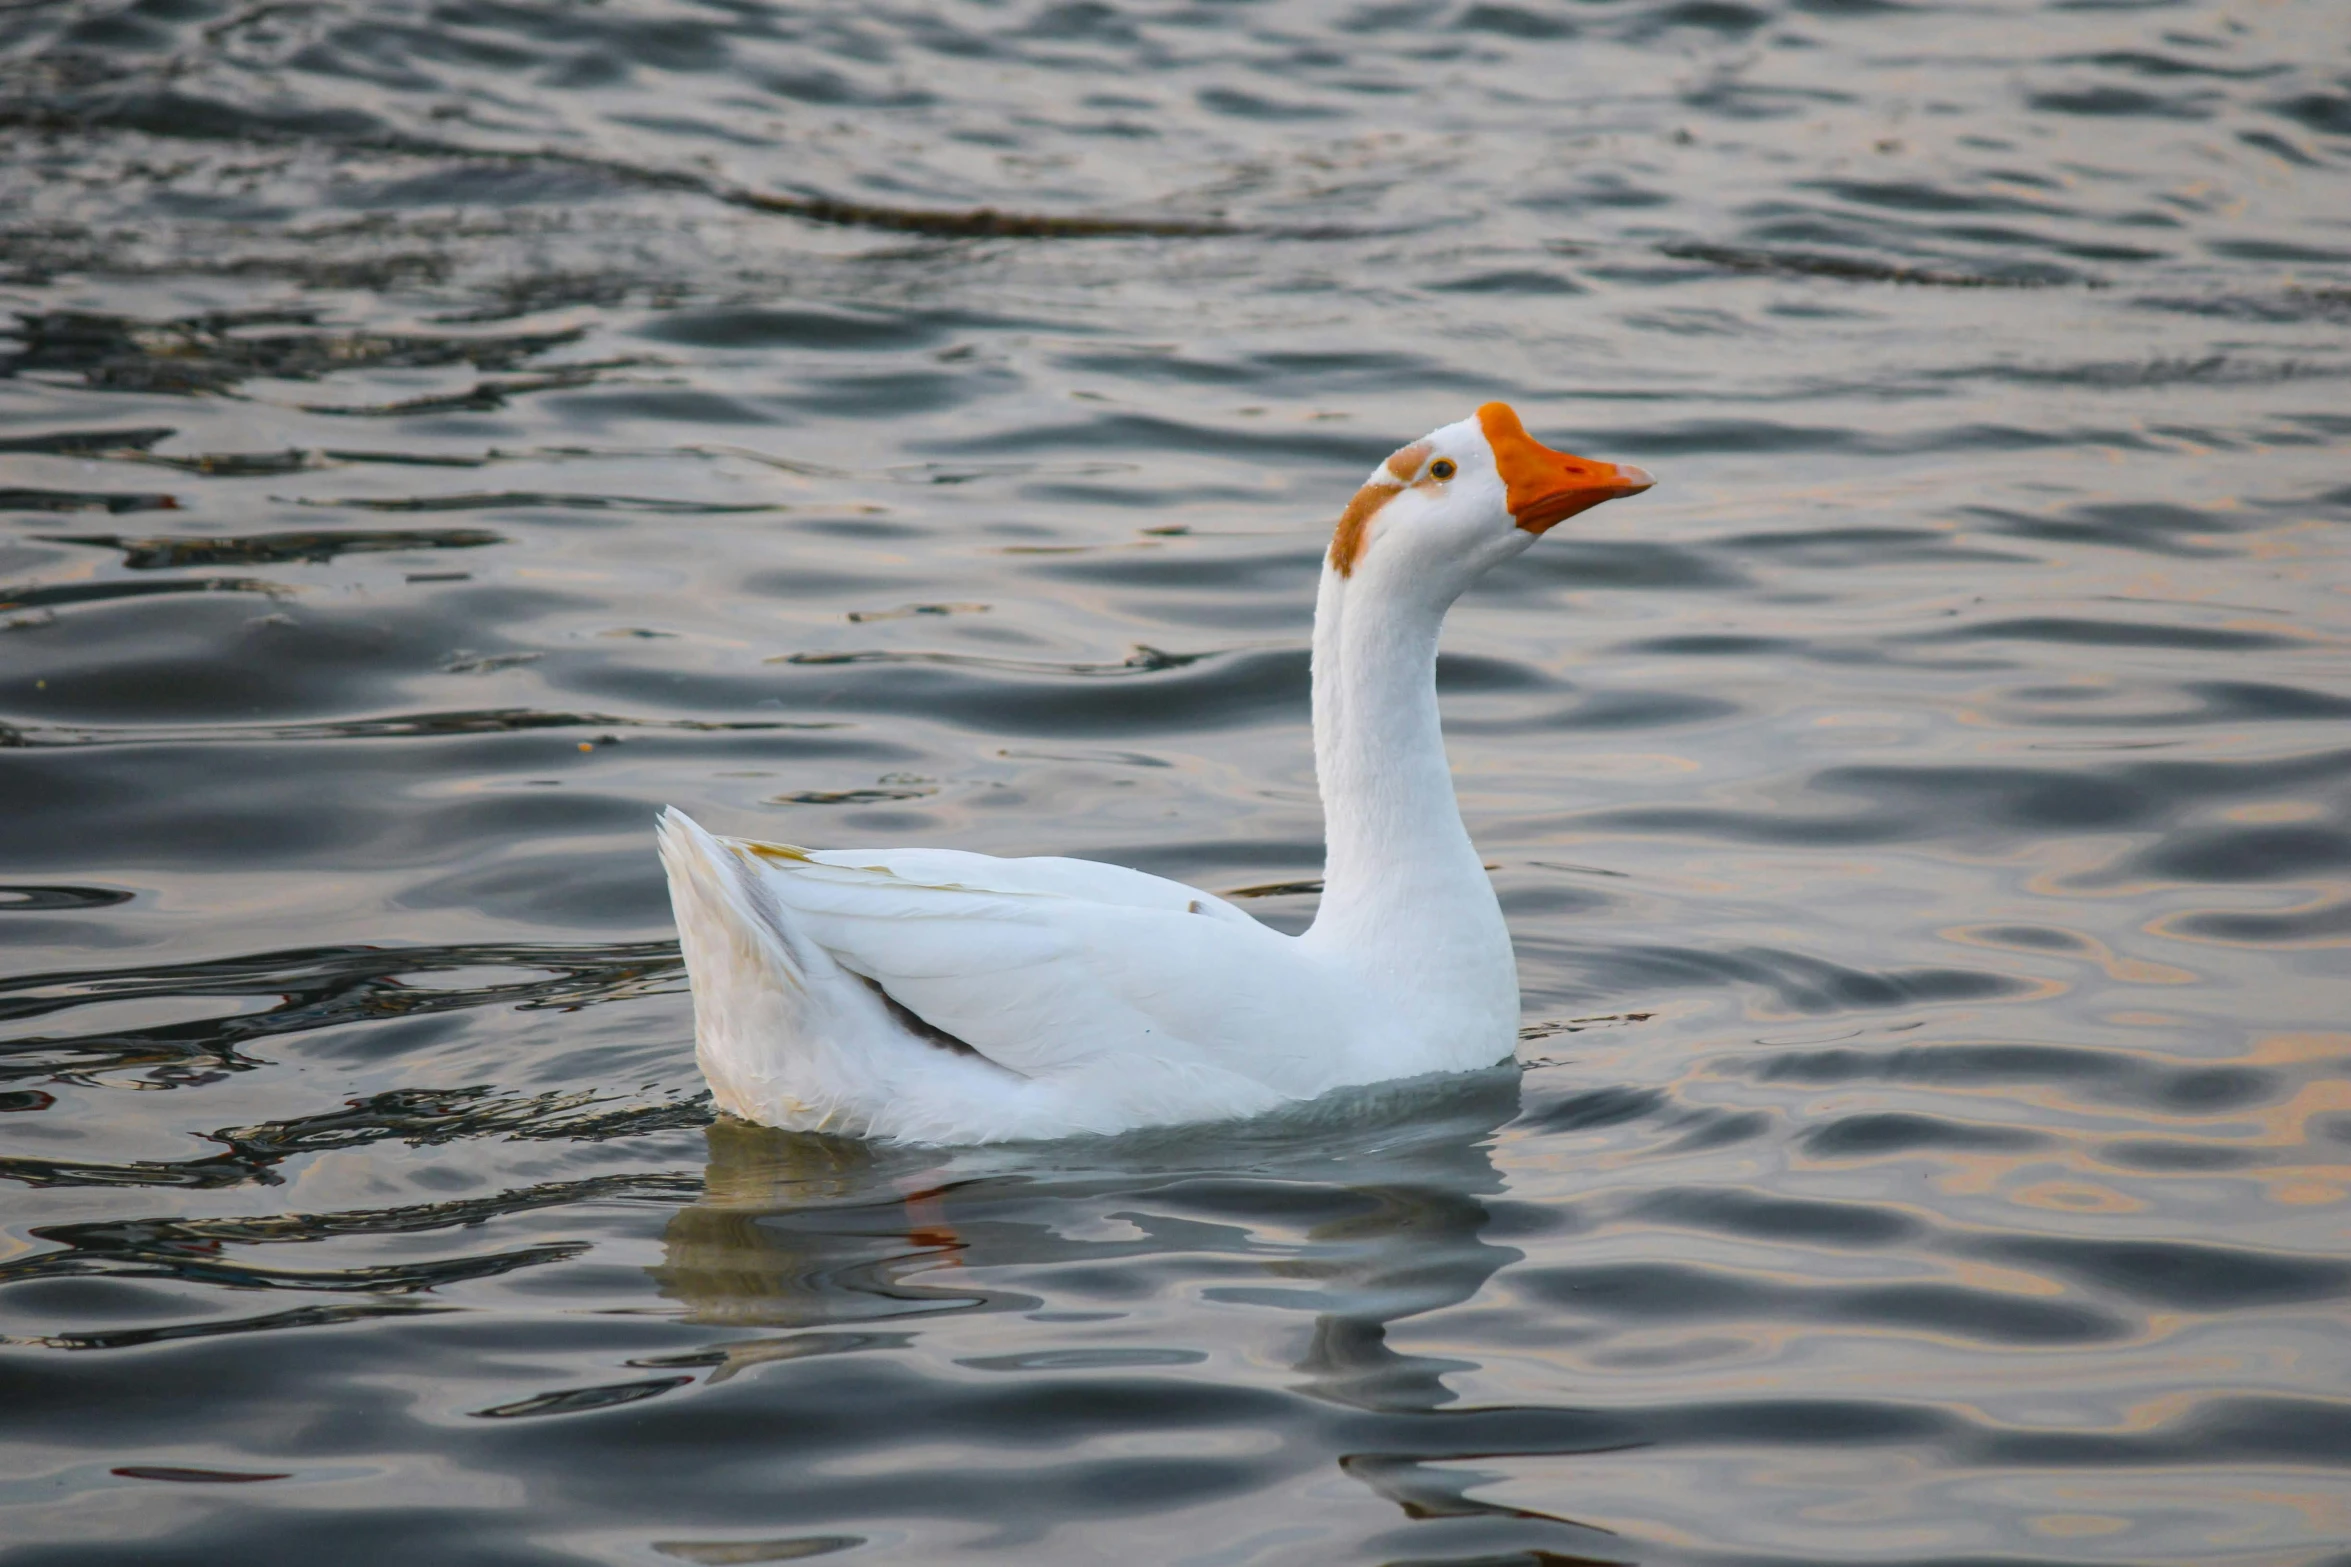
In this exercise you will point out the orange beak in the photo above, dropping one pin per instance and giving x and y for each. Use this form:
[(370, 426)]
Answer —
[(1548, 487)]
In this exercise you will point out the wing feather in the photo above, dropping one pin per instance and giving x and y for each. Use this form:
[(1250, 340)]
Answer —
[(1069, 969)]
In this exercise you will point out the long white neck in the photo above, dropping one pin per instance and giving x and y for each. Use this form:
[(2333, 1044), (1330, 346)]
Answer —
[(1405, 898)]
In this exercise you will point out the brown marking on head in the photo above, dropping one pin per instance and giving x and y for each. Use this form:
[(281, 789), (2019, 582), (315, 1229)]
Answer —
[(1354, 530), (1548, 487), (1405, 461), (1348, 539)]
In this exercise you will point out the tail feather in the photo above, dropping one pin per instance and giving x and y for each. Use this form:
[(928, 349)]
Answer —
[(788, 1037), (759, 1029)]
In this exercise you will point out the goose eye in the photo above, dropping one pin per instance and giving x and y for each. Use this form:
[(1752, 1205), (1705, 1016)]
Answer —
[(1442, 468)]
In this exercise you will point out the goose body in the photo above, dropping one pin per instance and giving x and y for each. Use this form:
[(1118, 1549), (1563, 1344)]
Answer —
[(940, 996)]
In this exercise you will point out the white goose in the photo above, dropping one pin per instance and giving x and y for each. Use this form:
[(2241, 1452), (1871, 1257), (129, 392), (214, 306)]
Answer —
[(939, 996)]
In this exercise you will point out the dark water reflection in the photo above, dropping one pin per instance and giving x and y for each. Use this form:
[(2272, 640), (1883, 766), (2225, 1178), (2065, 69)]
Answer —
[(434, 436)]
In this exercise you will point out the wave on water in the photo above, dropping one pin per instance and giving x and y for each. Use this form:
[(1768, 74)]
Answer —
[(434, 437)]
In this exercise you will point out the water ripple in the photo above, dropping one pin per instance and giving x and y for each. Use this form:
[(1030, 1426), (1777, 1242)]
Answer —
[(1928, 850)]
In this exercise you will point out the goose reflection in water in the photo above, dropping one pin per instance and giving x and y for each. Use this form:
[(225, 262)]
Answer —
[(1296, 1243)]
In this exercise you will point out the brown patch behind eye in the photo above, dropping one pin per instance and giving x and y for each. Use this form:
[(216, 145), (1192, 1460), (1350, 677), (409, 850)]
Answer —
[(1405, 461), (1355, 524)]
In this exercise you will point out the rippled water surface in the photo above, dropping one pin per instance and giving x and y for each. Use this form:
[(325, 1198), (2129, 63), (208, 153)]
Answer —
[(432, 437)]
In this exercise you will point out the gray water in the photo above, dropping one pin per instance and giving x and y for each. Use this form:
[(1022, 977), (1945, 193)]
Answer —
[(436, 436)]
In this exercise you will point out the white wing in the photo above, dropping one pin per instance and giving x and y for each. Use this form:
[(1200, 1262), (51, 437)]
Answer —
[(1073, 970), (1088, 880)]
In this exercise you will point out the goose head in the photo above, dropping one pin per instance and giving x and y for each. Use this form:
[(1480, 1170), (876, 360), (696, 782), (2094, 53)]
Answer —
[(1442, 512)]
